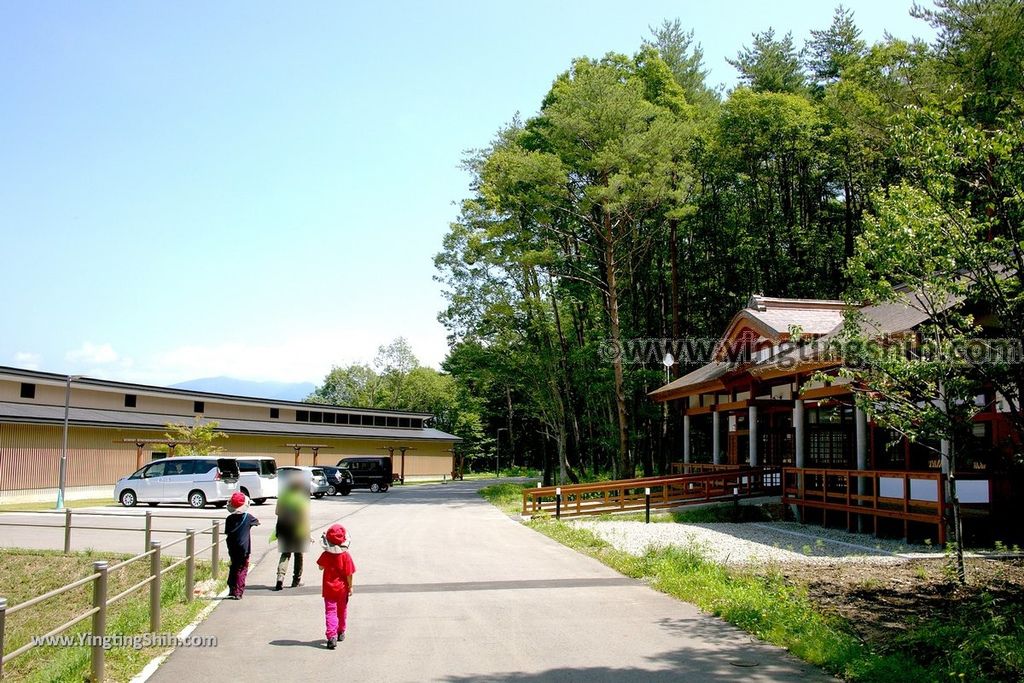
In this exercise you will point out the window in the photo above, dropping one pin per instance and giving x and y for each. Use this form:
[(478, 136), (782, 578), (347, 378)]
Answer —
[(268, 467), (28, 390), (329, 418), (367, 420), (403, 422), (155, 470), (199, 406), (248, 466), (417, 424), (392, 422), (342, 418), (275, 413), (316, 416), (130, 400), (204, 466), (175, 467), (302, 416), (379, 421)]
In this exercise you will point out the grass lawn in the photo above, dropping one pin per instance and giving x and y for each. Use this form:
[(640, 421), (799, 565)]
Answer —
[(980, 638), (27, 573), (31, 507)]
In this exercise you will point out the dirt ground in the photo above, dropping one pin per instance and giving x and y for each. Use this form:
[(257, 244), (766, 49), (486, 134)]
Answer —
[(883, 600)]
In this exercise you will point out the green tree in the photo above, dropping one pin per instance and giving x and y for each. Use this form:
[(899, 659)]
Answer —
[(770, 64), (199, 438)]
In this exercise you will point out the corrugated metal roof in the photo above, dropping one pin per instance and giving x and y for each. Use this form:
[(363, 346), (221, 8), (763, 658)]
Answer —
[(53, 378), (44, 414)]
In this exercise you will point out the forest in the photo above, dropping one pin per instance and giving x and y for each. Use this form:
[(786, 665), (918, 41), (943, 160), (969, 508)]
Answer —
[(641, 206)]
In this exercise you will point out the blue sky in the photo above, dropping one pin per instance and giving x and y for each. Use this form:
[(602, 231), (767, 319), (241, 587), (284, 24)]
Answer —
[(257, 189)]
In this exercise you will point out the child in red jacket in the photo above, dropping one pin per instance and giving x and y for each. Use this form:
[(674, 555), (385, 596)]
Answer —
[(338, 569)]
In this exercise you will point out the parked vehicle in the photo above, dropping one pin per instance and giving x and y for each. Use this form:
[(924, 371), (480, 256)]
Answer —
[(258, 477), (368, 472), (339, 480), (314, 476), (196, 480)]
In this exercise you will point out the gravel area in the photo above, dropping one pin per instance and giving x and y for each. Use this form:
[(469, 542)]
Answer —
[(757, 542)]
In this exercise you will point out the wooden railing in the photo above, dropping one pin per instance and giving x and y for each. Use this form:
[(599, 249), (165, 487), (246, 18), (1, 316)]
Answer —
[(871, 494), (99, 582), (665, 492)]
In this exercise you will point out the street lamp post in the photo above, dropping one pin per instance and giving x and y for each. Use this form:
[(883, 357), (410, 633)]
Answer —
[(63, 480), (497, 451)]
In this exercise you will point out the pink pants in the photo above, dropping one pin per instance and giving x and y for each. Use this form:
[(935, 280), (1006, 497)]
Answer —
[(335, 612)]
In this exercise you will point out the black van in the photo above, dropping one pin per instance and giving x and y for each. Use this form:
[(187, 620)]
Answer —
[(368, 472)]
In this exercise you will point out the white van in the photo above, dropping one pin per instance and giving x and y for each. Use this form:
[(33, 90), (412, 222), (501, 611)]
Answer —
[(257, 477), (196, 480)]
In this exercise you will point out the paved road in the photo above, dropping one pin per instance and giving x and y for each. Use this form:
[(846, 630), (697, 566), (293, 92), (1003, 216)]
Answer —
[(450, 589)]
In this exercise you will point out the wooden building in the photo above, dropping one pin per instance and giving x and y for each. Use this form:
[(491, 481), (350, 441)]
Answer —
[(114, 427), (756, 405)]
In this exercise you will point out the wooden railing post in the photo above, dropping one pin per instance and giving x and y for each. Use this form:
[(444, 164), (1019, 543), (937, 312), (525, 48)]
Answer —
[(3, 622), (67, 530), (558, 503), (99, 621), (149, 530), (154, 587), (190, 564), (215, 552)]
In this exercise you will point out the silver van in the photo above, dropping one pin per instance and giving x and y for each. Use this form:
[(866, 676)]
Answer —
[(196, 480)]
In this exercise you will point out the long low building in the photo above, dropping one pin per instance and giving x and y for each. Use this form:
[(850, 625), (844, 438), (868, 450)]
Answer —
[(116, 427)]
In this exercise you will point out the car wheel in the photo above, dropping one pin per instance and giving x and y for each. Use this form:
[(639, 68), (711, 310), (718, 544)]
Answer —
[(128, 498), (259, 501), (331, 490), (383, 488), (345, 491), (245, 491), (197, 499), (375, 487)]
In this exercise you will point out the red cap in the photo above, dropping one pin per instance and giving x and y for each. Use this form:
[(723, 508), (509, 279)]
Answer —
[(336, 535), (237, 500)]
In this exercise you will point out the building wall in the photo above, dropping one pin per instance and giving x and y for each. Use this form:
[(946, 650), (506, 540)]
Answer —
[(30, 454)]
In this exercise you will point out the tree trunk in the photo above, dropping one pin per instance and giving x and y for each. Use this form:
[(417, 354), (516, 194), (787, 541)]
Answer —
[(613, 318)]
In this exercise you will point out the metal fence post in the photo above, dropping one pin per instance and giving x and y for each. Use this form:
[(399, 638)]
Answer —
[(154, 587), (149, 530), (190, 563), (3, 620), (647, 506), (99, 621), (558, 503), (215, 552), (67, 530)]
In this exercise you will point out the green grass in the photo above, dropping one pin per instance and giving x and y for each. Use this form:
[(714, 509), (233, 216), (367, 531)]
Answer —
[(508, 497), (27, 573), (984, 642), (32, 507)]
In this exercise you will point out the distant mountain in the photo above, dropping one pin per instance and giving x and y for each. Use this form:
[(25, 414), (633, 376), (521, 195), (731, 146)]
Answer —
[(282, 391)]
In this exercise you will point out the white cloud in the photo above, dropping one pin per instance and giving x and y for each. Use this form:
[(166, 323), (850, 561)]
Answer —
[(304, 356), (92, 354), (28, 360)]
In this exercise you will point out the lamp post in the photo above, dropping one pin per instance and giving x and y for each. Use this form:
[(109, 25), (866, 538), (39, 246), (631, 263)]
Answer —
[(63, 479), (497, 451)]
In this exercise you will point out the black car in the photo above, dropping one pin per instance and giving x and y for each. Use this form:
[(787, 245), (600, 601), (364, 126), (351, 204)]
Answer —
[(368, 472), (339, 480)]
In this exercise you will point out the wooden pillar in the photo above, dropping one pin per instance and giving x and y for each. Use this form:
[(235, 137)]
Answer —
[(860, 423), (139, 445), (316, 454), (401, 476), (297, 449), (799, 438), (752, 435), (686, 438), (716, 437)]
